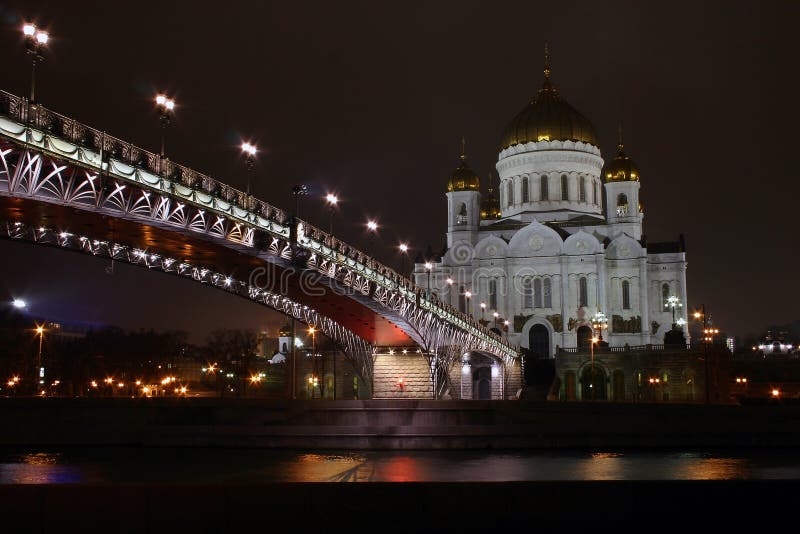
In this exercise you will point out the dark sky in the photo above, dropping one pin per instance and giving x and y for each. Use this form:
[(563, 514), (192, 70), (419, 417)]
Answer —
[(370, 99)]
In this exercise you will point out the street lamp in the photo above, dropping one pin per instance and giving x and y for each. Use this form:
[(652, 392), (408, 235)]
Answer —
[(599, 322), (313, 331), (468, 296), (19, 304), (429, 269), (39, 370), (495, 315), (332, 200), (372, 231), (591, 385), (298, 191), (165, 107), (707, 336), (249, 150), (35, 42), (673, 302), (483, 310), (403, 247)]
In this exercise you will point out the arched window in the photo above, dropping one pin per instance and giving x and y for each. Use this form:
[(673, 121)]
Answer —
[(665, 296), (537, 293), (548, 293), (461, 218), (622, 205), (626, 295), (527, 292), (510, 192), (582, 189), (462, 300), (526, 192), (564, 187), (544, 193), (492, 293), (583, 292)]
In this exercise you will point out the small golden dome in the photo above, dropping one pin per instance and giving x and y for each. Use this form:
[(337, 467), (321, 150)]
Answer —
[(285, 331), (621, 168), (463, 178), (490, 206), (548, 118)]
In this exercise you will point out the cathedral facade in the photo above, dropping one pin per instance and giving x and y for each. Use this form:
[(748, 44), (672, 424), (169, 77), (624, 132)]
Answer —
[(556, 256)]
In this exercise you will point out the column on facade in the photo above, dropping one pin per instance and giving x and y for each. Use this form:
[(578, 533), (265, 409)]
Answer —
[(564, 297), (602, 281), (644, 306), (681, 275)]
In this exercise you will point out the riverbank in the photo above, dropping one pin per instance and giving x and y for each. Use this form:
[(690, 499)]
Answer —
[(391, 424)]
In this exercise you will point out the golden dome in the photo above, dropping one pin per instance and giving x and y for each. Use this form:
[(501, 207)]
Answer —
[(621, 168), (548, 118), (490, 206), (463, 178)]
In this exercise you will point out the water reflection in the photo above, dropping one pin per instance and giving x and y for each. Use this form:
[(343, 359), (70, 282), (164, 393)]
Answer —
[(144, 465)]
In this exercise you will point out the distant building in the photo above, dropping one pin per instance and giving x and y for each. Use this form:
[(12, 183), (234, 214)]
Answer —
[(777, 343)]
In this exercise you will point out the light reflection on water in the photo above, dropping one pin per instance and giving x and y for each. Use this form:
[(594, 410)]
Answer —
[(164, 465)]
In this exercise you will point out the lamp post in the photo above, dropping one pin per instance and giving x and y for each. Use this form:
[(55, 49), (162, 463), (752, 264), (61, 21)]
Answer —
[(403, 248), (673, 302), (372, 231), (483, 311), (35, 42), (165, 107), (599, 322), (249, 150), (429, 269), (314, 379), (701, 316), (591, 350), (39, 374), (468, 296), (332, 200), (495, 315), (298, 191)]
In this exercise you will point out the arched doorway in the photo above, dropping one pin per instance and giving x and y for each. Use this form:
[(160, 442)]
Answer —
[(584, 337), (539, 341), (569, 385), (593, 383), (482, 383)]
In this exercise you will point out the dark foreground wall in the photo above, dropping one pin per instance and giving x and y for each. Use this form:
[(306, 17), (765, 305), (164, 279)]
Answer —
[(392, 424), (632, 506)]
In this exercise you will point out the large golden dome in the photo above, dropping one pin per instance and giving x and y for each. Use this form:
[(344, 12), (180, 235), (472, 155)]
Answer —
[(548, 118), (621, 168), (463, 178)]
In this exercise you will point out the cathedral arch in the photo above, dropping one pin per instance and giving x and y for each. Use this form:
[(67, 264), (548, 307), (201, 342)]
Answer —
[(527, 292), (510, 192), (581, 242), (548, 293), (537, 293), (526, 193), (564, 187), (624, 247), (626, 295), (535, 239), (491, 247), (622, 205), (582, 189), (526, 335), (583, 292), (461, 214), (544, 193)]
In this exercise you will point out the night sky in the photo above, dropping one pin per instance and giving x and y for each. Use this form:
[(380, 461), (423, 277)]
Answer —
[(370, 100)]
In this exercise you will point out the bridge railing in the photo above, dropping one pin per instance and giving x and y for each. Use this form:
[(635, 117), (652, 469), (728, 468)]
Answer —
[(46, 120), (37, 116), (402, 283)]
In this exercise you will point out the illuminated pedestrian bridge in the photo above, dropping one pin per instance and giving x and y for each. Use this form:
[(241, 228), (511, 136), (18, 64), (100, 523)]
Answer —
[(67, 185)]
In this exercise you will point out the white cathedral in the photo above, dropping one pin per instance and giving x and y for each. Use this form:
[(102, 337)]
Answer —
[(562, 247)]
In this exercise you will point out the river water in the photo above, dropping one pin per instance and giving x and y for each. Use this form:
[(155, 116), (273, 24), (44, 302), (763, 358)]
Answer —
[(248, 466)]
